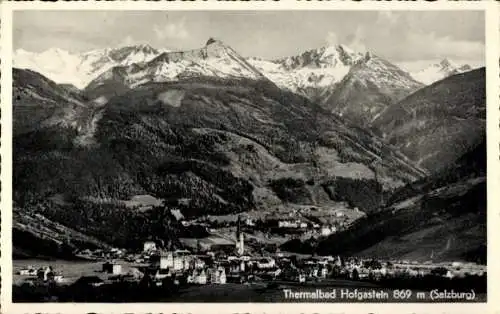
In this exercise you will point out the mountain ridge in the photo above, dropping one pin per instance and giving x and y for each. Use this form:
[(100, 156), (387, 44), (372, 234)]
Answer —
[(438, 71), (79, 69), (206, 132), (370, 86), (204, 145), (450, 113), (215, 59)]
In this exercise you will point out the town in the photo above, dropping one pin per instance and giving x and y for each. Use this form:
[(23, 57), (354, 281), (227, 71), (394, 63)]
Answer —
[(212, 263)]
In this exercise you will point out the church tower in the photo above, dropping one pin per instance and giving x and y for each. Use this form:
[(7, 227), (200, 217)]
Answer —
[(240, 242)]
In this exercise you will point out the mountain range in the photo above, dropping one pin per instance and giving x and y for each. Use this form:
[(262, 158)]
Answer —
[(210, 132), (79, 69), (357, 86), (439, 71), (307, 73)]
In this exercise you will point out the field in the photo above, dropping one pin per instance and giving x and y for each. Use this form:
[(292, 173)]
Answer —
[(70, 270)]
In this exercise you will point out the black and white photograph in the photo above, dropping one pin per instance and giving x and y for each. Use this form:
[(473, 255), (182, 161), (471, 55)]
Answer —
[(249, 156)]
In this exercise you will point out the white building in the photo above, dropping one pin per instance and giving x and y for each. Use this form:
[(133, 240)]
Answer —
[(177, 214), (218, 275), (245, 258), (324, 272), (149, 246), (198, 263), (176, 262), (266, 262), (302, 278), (222, 276), (167, 261), (117, 269), (287, 224), (449, 275), (326, 231), (198, 277)]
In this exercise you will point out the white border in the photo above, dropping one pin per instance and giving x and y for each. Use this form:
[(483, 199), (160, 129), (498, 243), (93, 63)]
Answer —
[(493, 82)]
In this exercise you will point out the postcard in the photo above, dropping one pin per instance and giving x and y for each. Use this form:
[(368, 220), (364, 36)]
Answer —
[(250, 157)]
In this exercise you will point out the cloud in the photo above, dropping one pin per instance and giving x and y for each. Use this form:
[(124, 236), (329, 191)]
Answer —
[(128, 41), (332, 39), (172, 30), (403, 37), (357, 40), (434, 46), (384, 23)]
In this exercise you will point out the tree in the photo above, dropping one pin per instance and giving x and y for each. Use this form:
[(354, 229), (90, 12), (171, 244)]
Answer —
[(439, 271), (355, 274)]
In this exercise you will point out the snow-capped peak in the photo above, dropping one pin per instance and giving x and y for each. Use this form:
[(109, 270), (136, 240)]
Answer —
[(214, 59), (448, 64), (346, 49), (439, 71), (311, 70), (55, 50), (79, 69)]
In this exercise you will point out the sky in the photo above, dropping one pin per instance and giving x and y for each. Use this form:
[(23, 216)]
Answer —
[(407, 38)]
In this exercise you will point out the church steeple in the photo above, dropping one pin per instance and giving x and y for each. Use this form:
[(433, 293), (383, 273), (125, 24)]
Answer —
[(238, 227), (240, 242)]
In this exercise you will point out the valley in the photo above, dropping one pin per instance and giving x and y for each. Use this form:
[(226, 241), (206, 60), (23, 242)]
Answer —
[(366, 159)]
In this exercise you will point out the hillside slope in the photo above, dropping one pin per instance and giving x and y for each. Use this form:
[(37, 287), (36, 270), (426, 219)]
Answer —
[(204, 145), (370, 86), (39, 102), (439, 218), (439, 123)]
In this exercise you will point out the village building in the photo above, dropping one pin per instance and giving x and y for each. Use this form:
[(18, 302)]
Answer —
[(167, 261), (326, 231), (236, 266), (449, 275), (112, 268), (198, 277), (177, 214), (29, 271), (177, 261), (218, 275), (117, 269), (198, 263), (302, 278), (266, 262), (287, 224), (149, 246)]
